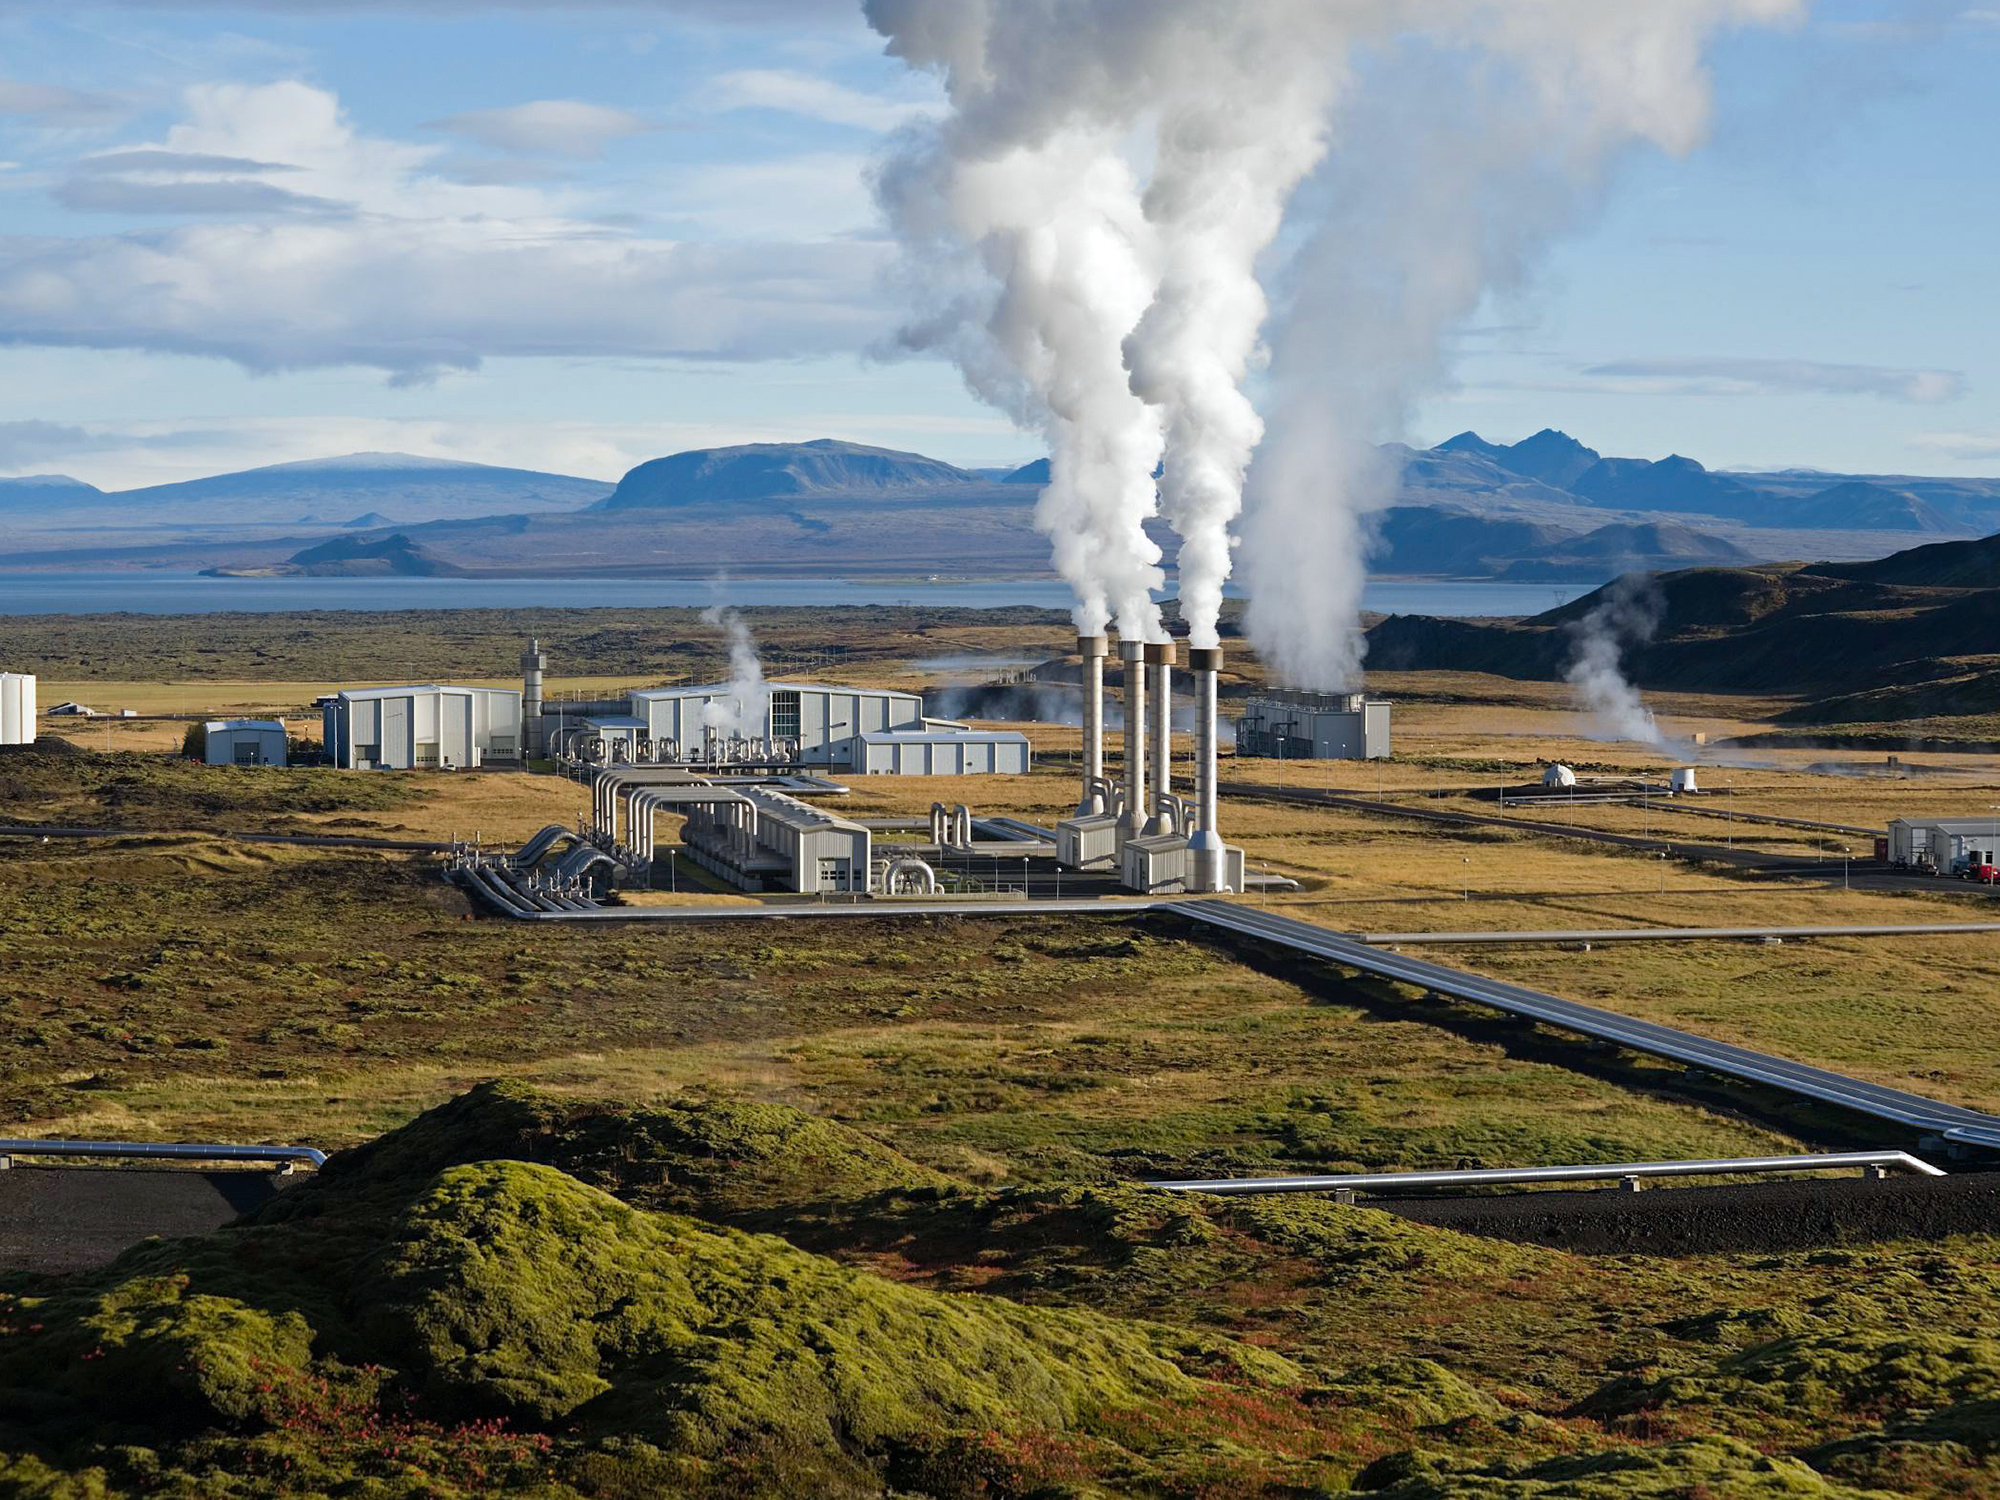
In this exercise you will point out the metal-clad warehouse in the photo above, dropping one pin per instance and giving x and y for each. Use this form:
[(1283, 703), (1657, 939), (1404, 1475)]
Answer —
[(1944, 843), (1314, 726), (763, 839), (826, 722), (17, 708), (422, 727), (945, 752), (243, 742)]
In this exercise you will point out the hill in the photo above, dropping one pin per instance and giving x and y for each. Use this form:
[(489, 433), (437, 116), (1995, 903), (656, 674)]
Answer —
[(1836, 635), (783, 471), (393, 556), (34, 494)]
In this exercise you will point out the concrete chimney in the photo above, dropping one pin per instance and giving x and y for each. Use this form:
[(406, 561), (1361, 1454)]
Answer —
[(1132, 822), (1160, 667), (534, 738), (1092, 648), (1206, 858)]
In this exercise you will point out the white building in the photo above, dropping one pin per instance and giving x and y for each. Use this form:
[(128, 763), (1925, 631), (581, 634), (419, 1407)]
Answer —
[(1314, 726), (422, 727), (866, 730), (765, 840), (17, 708), (243, 742), (1944, 844)]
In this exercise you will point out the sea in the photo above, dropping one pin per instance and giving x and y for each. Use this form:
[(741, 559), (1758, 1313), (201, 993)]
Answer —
[(163, 593)]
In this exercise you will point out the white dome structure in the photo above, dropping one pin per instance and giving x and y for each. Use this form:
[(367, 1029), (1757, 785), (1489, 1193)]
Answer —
[(1558, 775)]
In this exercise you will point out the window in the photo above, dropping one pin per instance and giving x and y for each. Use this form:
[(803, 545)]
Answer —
[(785, 715)]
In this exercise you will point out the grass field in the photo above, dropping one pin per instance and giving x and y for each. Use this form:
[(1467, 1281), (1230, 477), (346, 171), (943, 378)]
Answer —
[(959, 1107)]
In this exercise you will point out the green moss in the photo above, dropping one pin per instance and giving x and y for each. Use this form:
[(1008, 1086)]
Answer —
[(1702, 1469)]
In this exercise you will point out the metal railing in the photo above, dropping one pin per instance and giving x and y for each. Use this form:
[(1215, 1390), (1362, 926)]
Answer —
[(171, 1151), (1632, 1171)]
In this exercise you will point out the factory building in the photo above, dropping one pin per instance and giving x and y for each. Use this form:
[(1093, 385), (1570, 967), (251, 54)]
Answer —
[(868, 731), (1945, 845), (17, 708), (243, 742), (764, 840), (1291, 725), (422, 727)]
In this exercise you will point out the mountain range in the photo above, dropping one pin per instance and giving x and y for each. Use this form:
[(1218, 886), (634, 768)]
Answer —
[(1547, 508), (1920, 623)]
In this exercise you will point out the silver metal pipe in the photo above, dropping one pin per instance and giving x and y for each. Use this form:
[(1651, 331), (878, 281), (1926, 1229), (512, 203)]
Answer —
[(1726, 1166), (1160, 667), (1092, 648), (158, 1149), (1206, 853), (1132, 822)]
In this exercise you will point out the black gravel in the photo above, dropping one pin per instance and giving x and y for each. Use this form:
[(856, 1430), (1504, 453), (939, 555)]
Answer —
[(1788, 1214), (71, 1218)]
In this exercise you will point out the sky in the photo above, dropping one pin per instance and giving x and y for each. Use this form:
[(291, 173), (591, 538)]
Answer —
[(573, 237)]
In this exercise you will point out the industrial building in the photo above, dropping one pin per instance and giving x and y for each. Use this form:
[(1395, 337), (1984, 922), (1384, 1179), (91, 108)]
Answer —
[(422, 727), (1944, 845), (868, 731), (759, 839), (17, 708), (1289, 725), (243, 742)]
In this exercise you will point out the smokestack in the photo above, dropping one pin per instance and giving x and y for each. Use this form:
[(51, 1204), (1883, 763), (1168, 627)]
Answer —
[(1160, 666), (1132, 822), (1205, 848), (534, 739), (1092, 648)]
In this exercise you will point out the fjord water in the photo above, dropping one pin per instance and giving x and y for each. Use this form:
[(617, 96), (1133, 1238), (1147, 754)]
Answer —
[(161, 593)]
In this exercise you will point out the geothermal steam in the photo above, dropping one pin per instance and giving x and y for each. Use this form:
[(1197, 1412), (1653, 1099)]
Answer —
[(1628, 613), (1087, 232), (744, 712)]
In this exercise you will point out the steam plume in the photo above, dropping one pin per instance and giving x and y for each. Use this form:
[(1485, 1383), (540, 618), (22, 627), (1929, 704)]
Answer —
[(745, 711), (1111, 173), (1630, 611)]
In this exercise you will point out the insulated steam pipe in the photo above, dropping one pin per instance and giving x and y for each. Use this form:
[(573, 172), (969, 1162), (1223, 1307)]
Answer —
[(1091, 648), (1205, 843), (1160, 667), (1132, 822)]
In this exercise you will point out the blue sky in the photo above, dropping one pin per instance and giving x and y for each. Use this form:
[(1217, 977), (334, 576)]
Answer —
[(576, 237)]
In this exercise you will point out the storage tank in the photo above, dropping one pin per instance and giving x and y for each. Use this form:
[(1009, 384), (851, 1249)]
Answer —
[(17, 708), (1684, 780)]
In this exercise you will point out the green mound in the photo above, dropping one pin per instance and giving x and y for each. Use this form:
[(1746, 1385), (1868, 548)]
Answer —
[(1704, 1469), (713, 1159), (499, 1319)]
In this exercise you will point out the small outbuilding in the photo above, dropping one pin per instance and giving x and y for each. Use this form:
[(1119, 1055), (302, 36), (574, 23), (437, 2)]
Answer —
[(243, 742), (17, 708), (1558, 777), (1944, 845)]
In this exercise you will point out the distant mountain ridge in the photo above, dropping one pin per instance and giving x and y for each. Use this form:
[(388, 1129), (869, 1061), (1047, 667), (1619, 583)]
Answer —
[(767, 471)]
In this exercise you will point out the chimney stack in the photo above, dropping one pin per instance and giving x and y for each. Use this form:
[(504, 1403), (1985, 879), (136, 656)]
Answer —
[(1132, 822), (1092, 648), (534, 738), (1160, 666), (1207, 860)]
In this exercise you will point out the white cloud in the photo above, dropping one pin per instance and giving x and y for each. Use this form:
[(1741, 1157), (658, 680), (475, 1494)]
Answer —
[(1775, 377), (814, 97), (1970, 447), (398, 266), (50, 105), (556, 127)]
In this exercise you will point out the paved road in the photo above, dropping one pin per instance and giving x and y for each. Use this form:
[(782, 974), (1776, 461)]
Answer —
[(71, 1218), (1671, 934)]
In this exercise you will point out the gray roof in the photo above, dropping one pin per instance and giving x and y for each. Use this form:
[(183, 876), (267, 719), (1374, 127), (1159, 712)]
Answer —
[(406, 689), (269, 726)]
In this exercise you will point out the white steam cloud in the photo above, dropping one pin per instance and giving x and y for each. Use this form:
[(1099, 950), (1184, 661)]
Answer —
[(1087, 229), (1629, 613), (745, 711)]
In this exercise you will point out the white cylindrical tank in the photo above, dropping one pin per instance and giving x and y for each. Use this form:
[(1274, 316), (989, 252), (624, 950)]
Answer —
[(1092, 648), (1559, 776), (17, 708), (1209, 858), (1133, 655), (1684, 780)]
